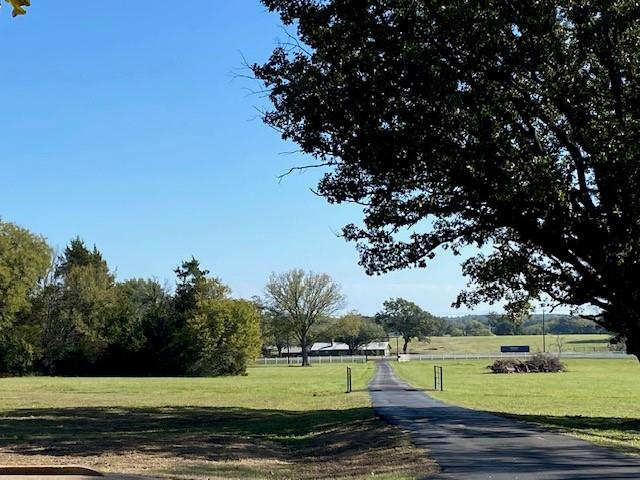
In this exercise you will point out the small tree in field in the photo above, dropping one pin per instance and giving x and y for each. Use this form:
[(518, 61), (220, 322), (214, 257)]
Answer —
[(356, 331), (560, 344), (406, 319), (302, 299)]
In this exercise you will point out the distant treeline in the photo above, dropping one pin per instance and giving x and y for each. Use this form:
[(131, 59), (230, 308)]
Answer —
[(496, 324), (67, 315)]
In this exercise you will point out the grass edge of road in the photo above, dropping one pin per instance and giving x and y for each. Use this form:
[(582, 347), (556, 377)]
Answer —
[(588, 401)]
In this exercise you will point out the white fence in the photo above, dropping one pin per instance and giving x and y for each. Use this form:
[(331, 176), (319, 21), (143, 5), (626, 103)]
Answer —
[(434, 357), (479, 356), (298, 360)]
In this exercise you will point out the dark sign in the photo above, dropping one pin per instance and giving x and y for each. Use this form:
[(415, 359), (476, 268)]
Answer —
[(514, 349)]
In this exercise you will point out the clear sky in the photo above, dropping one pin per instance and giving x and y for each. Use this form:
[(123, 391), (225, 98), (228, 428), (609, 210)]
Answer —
[(125, 123)]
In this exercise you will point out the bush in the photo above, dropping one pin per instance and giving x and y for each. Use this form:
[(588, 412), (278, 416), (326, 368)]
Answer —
[(16, 356), (225, 336), (537, 363)]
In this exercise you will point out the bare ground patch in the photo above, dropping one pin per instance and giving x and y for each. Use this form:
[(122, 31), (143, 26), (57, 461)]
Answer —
[(195, 442)]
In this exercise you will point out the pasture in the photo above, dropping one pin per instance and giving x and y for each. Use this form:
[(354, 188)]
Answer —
[(276, 422), (492, 343), (595, 399)]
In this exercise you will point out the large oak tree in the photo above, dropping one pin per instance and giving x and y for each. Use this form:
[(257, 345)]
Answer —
[(509, 125), (302, 300)]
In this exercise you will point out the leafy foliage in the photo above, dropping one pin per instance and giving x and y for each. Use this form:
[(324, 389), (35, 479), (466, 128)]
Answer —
[(18, 351), (506, 125), (405, 318), (67, 315), (225, 333), (18, 6), (275, 328), (194, 285), (302, 300), (477, 329), (73, 310), (356, 331), (24, 259)]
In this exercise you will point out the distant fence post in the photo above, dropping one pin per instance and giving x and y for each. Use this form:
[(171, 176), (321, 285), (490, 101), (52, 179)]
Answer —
[(348, 379), (437, 378)]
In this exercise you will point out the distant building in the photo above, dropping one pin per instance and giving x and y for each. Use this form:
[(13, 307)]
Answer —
[(331, 349), (375, 349), (292, 351), (326, 349), (336, 349)]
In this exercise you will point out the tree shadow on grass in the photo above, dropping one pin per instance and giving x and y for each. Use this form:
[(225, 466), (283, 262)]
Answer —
[(340, 443), (616, 432)]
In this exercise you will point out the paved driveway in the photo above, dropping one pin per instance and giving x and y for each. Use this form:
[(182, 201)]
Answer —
[(472, 445)]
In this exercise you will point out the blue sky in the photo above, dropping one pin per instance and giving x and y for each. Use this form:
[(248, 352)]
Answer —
[(125, 123)]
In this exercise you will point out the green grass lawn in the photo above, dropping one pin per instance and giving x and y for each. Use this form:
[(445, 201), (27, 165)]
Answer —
[(492, 343), (276, 422), (595, 399)]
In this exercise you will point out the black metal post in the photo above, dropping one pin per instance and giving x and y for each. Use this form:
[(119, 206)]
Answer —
[(397, 348), (437, 376), (544, 334)]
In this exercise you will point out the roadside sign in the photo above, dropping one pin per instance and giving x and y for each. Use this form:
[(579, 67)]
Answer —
[(515, 349)]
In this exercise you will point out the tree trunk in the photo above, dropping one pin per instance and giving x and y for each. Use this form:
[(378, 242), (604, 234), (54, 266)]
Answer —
[(626, 321), (406, 343), (633, 344), (305, 354)]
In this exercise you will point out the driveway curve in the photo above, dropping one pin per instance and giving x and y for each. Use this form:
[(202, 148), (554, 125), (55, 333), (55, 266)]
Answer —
[(474, 445)]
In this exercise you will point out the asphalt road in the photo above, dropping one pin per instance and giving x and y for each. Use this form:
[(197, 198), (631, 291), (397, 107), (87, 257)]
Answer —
[(473, 445)]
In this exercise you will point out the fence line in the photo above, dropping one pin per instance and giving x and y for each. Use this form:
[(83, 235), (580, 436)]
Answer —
[(316, 360), (432, 357), (480, 356)]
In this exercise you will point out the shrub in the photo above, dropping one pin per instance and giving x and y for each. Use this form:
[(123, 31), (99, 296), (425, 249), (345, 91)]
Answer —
[(537, 363), (225, 336), (16, 355)]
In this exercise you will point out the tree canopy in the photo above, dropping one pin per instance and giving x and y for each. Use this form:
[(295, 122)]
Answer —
[(506, 125), (24, 259), (18, 6), (406, 319), (68, 315), (302, 300), (356, 331), (225, 334)]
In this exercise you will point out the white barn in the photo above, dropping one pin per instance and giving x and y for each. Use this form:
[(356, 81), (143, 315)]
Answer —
[(335, 349)]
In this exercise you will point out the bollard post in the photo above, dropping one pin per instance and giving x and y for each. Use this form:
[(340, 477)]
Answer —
[(437, 378), (350, 384), (348, 379)]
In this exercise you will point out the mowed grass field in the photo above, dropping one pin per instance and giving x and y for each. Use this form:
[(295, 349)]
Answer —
[(597, 400), (276, 422), (492, 343)]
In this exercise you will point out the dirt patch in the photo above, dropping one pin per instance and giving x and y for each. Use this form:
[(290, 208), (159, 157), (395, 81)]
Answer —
[(198, 443)]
